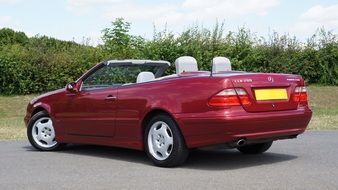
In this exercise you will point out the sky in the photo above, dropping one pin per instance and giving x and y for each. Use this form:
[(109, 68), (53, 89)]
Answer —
[(80, 19)]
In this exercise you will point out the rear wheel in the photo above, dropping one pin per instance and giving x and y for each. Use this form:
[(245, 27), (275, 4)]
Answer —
[(41, 133), (255, 148), (164, 143)]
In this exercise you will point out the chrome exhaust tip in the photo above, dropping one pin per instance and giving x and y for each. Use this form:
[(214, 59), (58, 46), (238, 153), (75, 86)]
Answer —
[(240, 142)]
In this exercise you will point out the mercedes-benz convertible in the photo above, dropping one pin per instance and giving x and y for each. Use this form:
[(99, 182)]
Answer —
[(129, 103)]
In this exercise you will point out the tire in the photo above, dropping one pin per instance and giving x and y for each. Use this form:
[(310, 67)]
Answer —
[(164, 143), (41, 133), (255, 148)]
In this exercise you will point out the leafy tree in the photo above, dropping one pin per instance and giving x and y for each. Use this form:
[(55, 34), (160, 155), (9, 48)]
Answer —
[(9, 36), (119, 43)]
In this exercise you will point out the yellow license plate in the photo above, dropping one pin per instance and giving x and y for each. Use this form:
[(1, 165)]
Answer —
[(271, 94)]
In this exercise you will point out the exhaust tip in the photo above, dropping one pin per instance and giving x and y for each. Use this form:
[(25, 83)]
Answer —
[(240, 142)]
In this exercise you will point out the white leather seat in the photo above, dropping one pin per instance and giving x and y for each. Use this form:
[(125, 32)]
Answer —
[(185, 64), (145, 77), (220, 64)]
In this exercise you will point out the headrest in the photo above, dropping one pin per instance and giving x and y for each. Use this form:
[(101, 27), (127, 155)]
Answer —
[(145, 77), (185, 64), (220, 64)]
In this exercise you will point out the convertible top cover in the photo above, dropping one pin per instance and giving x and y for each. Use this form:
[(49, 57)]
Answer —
[(138, 61)]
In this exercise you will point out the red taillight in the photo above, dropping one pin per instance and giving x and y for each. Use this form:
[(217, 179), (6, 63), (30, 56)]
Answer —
[(230, 97), (243, 96), (300, 95)]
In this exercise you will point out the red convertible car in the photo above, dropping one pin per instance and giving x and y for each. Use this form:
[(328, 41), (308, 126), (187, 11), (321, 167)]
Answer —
[(128, 103)]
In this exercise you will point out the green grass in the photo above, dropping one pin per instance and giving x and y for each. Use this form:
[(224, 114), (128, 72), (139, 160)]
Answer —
[(12, 112), (323, 101)]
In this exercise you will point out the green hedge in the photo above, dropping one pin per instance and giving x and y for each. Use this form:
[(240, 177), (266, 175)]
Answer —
[(43, 64), (39, 64)]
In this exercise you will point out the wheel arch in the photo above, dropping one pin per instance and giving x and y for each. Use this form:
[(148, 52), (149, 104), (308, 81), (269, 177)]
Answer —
[(40, 107), (154, 112)]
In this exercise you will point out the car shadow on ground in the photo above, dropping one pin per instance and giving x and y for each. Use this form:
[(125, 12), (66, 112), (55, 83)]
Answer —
[(231, 159), (199, 159), (113, 153)]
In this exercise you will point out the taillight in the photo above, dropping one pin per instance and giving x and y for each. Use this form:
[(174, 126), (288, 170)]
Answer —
[(243, 96), (230, 97), (300, 94)]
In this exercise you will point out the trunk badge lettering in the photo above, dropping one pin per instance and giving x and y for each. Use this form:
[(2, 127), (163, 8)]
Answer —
[(242, 80), (292, 79)]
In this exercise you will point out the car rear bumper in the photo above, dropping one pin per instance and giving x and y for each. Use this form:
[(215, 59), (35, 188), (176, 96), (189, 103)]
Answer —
[(209, 130)]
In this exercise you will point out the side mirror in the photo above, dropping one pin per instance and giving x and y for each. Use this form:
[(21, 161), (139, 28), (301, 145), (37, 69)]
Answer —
[(71, 87)]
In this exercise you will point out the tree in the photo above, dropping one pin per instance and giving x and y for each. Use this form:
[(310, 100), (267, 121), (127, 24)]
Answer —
[(9, 36), (119, 43)]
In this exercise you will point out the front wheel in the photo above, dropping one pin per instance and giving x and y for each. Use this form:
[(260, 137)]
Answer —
[(164, 143), (41, 133), (255, 148)]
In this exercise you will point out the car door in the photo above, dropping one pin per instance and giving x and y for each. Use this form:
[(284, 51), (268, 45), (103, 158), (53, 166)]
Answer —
[(92, 110), (94, 113)]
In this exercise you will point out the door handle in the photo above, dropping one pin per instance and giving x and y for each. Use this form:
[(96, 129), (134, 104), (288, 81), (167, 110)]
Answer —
[(110, 98)]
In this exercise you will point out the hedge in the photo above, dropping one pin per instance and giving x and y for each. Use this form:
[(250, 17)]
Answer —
[(39, 64)]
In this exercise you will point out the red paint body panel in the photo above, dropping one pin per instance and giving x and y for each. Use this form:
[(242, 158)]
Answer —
[(87, 117), (202, 129)]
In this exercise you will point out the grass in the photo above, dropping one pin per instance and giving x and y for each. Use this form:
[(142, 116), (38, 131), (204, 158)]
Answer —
[(323, 101), (12, 111)]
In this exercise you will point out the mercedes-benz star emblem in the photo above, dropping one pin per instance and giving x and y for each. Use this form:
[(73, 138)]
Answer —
[(270, 79)]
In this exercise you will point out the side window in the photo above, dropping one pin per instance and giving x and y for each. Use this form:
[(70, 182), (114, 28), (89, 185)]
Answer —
[(107, 76), (115, 75)]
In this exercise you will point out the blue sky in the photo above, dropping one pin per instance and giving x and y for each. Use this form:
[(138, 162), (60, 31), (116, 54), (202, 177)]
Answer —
[(78, 19)]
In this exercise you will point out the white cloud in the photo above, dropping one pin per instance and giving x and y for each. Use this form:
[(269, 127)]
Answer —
[(154, 13), (177, 13), (206, 10), (85, 6), (316, 17), (319, 13)]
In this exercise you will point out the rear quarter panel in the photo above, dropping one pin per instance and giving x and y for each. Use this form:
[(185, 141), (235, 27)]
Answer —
[(187, 95)]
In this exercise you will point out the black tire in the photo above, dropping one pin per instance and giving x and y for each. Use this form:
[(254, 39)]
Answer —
[(255, 148), (30, 126), (179, 151)]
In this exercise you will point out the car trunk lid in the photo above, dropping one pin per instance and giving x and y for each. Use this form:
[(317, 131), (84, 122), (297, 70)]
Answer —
[(267, 92)]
